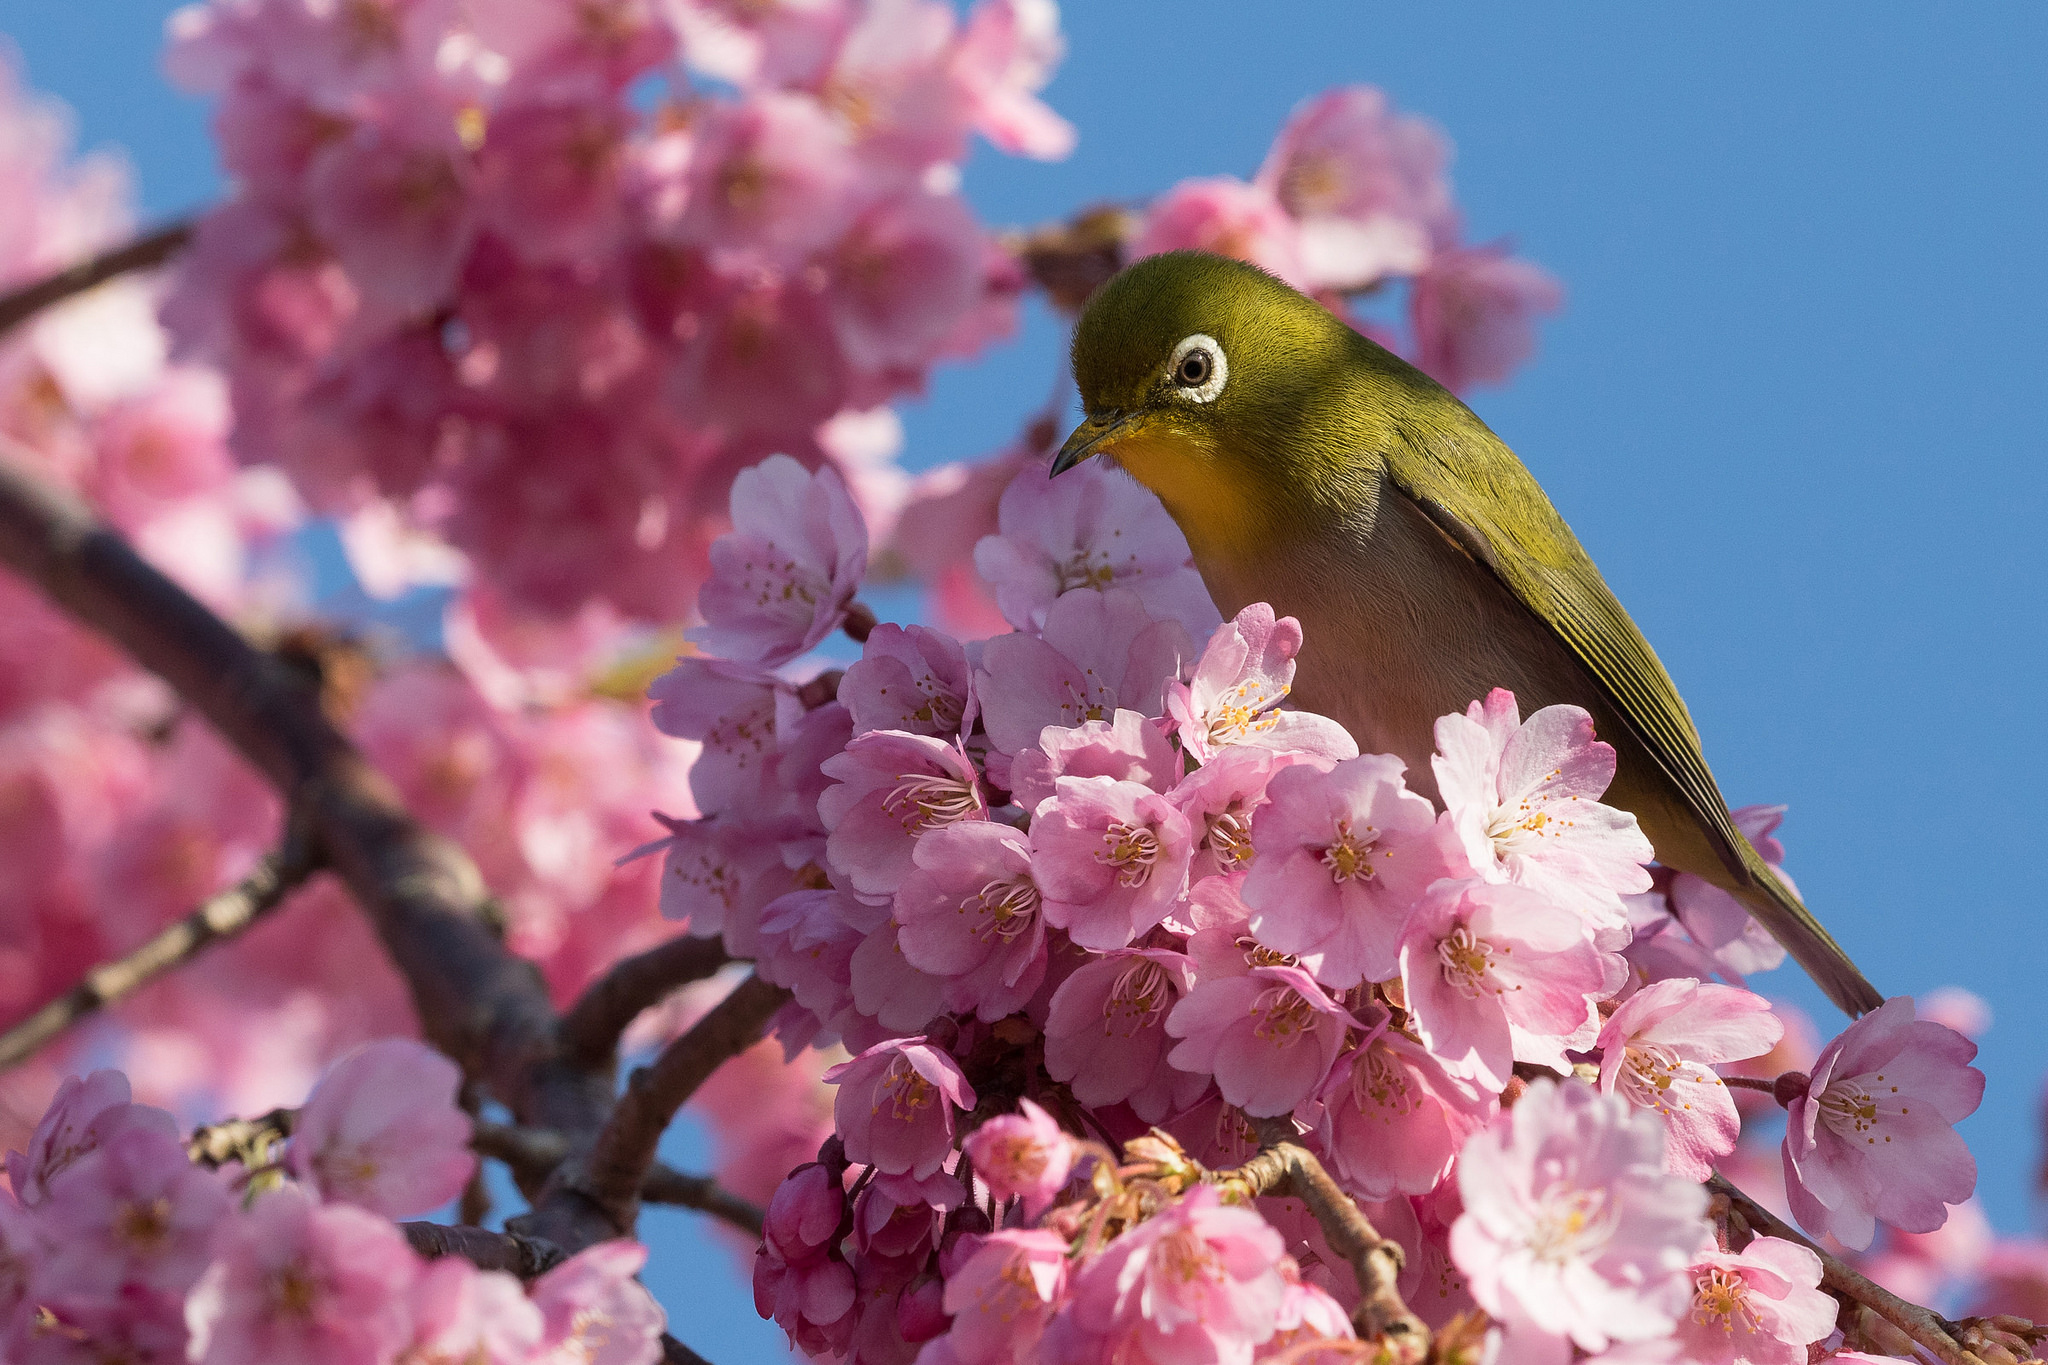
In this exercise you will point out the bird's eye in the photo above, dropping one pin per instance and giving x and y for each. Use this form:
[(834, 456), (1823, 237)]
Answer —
[(1198, 369)]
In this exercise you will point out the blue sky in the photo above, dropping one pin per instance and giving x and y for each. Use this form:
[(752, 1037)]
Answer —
[(1795, 406)]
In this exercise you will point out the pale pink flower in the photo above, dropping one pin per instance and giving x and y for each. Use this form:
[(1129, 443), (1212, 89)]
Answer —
[(896, 1227), (1496, 974), (394, 205), (736, 711), (1099, 651), (1523, 797), (1127, 746), (294, 1280), (85, 1114), (1571, 1227), (1269, 1037), (1005, 56), (1022, 1156), (1965, 1011), (1110, 859), (134, 1212), (782, 579), (1341, 854), (784, 43), (717, 875), (889, 990), (1760, 1306), (806, 944), (760, 355), (803, 1217), (1220, 800), (1721, 924), (970, 912), (1474, 314), (1197, 1281), (814, 1301), (890, 787), (477, 1317), (382, 1130), (549, 179), (1394, 1119), (595, 1312), (771, 180), (1092, 528), (1367, 185), (902, 278), (894, 1109), (1872, 1137), (1234, 695), (143, 1328), (1002, 1293), (1106, 1038), (1659, 1051), (1225, 216), (908, 678)]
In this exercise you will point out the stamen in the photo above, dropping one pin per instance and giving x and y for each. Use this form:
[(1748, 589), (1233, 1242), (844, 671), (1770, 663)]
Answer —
[(1719, 1298), (1139, 996), (1132, 850), (1008, 908), (923, 802), (1467, 960), (1350, 857)]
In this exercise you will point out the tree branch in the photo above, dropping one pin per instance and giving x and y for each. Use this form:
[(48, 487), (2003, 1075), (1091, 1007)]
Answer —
[(527, 1257), (221, 916), (144, 252), (591, 1029), (1926, 1328), (600, 1187), (533, 1155)]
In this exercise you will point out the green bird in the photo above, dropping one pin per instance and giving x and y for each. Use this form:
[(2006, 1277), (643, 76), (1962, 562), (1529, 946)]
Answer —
[(1315, 470)]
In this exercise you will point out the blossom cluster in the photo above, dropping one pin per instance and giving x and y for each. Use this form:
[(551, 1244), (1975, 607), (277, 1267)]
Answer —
[(1093, 908), (117, 1243)]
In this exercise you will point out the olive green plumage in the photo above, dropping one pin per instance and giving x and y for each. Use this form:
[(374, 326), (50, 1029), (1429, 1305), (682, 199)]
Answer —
[(1311, 468)]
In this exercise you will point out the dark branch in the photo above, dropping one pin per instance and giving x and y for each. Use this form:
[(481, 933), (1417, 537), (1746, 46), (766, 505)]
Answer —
[(143, 253), (592, 1027), (527, 1257), (224, 915), (533, 1155)]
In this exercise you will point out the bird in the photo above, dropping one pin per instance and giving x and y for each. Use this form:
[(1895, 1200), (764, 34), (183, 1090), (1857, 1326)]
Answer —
[(1312, 469)]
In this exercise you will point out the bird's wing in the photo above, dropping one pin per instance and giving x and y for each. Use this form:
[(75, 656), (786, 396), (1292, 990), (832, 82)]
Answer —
[(1535, 554)]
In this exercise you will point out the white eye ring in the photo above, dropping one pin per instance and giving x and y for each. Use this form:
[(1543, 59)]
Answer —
[(1196, 385)]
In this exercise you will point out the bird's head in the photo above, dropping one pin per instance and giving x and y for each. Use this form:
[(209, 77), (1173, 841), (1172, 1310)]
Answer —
[(1223, 390)]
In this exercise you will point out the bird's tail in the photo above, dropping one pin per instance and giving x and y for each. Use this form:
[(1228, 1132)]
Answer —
[(1779, 909)]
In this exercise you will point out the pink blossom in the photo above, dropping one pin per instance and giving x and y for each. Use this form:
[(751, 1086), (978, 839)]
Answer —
[(1659, 1048), (813, 1301), (806, 944), (1127, 746), (1002, 1293), (294, 1280), (908, 678), (1105, 1035), (1394, 1119), (782, 580), (1342, 853), (1496, 974), (1269, 1037), (1474, 312), (395, 207), (549, 179), (1197, 1281), (889, 989), (902, 278), (85, 1114), (749, 44), (1245, 672), (736, 711), (132, 1213), (1220, 800), (382, 1130), (1721, 924), (803, 1217), (1367, 185), (759, 355), (1571, 1226), (891, 787), (895, 1105), (1092, 528), (1004, 57), (595, 1312), (970, 912), (771, 180), (1872, 1136), (1099, 651), (1224, 215), (1523, 798), (895, 1228), (478, 1317), (1023, 1156), (1110, 858), (717, 875), (1759, 1306)]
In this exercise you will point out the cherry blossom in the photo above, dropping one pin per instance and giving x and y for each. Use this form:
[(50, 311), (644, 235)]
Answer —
[(382, 1130), (1106, 1038), (891, 787), (1110, 858), (1022, 1156), (1474, 311), (1871, 1135), (1760, 1306), (782, 579), (970, 912), (908, 678), (1228, 217), (1127, 746), (1721, 924), (1658, 1051), (1394, 1119), (895, 1105), (594, 1310), (1234, 695), (1269, 1037), (1002, 1293)]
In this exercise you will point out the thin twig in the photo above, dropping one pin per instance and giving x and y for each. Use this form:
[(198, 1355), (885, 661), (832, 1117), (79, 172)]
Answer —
[(1925, 1327), (591, 1029), (1750, 1083), (533, 1155), (605, 1181), (226, 914), (142, 253), (527, 1257)]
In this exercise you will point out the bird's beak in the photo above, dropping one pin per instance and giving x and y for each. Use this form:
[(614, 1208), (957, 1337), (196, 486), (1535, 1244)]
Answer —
[(1088, 438)]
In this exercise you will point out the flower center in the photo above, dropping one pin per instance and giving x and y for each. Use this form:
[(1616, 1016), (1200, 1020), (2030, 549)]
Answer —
[(1007, 907), (294, 1292), (1012, 1291), (145, 1226), (1350, 857), (1140, 995), (1467, 961), (1648, 1071), (1131, 849), (905, 1091), (1186, 1257), (1023, 1158), (1851, 1107), (1241, 712), (1083, 571), (1720, 1298), (1284, 1015), (1257, 954), (922, 801), (1569, 1225), (1520, 827), (1230, 839), (1380, 1083)]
